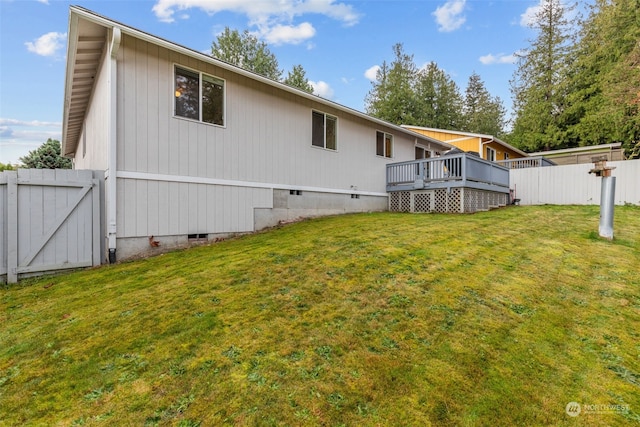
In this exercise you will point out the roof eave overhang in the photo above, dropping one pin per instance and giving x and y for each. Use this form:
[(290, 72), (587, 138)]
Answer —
[(78, 12), (72, 40)]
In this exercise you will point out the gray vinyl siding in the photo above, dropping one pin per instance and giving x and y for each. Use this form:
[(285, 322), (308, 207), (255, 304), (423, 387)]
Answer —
[(171, 208), (96, 126), (266, 137)]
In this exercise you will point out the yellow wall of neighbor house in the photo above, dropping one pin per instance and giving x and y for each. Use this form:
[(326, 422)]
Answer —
[(500, 151), (470, 143), (460, 141)]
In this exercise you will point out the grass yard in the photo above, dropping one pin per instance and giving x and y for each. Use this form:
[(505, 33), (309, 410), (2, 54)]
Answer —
[(497, 318)]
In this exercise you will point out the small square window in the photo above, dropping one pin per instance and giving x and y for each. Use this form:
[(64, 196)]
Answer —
[(199, 96), (324, 130)]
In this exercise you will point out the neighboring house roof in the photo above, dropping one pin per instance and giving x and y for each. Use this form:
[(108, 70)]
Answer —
[(579, 150), (469, 134), (85, 48)]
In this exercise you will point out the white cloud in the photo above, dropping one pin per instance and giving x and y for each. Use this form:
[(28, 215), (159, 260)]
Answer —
[(6, 132), (500, 58), (18, 137), (48, 44), (449, 16), (322, 89), (14, 122), (529, 16), (289, 34), (44, 2), (273, 18), (372, 72)]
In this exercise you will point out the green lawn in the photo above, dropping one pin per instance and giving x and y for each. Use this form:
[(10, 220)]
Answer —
[(496, 318)]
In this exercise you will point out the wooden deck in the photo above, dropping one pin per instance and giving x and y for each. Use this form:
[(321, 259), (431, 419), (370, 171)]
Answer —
[(449, 171)]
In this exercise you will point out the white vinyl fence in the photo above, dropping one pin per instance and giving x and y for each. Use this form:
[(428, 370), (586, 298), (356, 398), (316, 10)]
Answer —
[(49, 220), (573, 185)]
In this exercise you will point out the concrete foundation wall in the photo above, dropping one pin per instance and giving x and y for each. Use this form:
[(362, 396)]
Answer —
[(289, 205)]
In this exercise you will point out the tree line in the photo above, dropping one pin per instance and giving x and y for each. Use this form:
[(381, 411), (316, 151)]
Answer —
[(402, 93), (576, 84), (579, 85)]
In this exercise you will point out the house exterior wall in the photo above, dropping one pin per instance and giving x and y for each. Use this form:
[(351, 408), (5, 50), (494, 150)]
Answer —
[(501, 150), (464, 142), (178, 176), (93, 145), (267, 136)]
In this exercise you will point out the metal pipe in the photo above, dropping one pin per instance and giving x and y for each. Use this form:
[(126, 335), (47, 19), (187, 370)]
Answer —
[(607, 197)]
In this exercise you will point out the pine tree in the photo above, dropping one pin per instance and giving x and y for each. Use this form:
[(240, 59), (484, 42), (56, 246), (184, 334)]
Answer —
[(247, 52), (438, 99), (605, 94), (539, 84), (482, 112), (392, 97), (297, 78), (47, 156)]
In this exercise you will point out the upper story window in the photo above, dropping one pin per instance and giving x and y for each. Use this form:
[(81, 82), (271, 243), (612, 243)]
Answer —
[(199, 96), (324, 130), (506, 156), (384, 144)]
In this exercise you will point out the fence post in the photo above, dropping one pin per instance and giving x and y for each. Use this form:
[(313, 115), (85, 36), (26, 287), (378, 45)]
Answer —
[(12, 226)]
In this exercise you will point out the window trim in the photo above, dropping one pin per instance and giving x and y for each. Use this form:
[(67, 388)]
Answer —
[(384, 145), (425, 151), (487, 151), (324, 136), (200, 80)]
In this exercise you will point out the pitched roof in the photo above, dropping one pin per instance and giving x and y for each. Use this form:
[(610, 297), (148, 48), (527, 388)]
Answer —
[(469, 134), (88, 36)]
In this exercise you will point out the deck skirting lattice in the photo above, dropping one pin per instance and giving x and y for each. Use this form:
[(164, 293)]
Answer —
[(443, 200)]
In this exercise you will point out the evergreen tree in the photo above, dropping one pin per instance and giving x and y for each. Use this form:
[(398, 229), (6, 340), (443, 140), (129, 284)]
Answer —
[(539, 84), (438, 99), (47, 156), (392, 97), (246, 51), (482, 112), (604, 98), (297, 78)]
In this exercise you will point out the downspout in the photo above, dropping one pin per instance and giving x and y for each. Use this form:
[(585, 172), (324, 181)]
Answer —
[(113, 144), (482, 147)]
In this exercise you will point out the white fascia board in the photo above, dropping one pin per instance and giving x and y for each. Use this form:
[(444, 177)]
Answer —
[(72, 37)]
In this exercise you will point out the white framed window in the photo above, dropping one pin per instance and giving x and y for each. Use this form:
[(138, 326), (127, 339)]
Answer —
[(490, 154), (422, 153), (199, 96), (324, 130), (506, 156), (384, 144)]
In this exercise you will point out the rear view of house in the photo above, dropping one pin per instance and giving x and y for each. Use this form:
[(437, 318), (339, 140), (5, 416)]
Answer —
[(195, 148)]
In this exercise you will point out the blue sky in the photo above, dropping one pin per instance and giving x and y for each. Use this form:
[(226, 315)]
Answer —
[(338, 42)]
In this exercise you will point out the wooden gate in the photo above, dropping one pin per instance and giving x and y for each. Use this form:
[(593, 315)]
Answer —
[(50, 220)]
